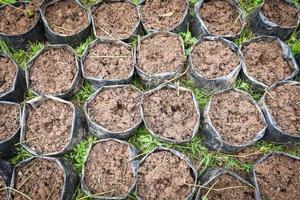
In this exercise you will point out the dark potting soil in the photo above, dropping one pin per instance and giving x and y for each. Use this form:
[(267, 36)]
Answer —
[(39, 179), (108, 61), (115, 20), (283, 102), (160, 53), (9, 120), (53, 71), (7, 74), (278, 178), (18, 20), (66, 17), (162, 14), (265, 62), (235, 117), (164, 176), (2, 192), (280, 12), (220, 17), (48, 126), (170, 113), (116, 109), (108, 169), (213, 59)]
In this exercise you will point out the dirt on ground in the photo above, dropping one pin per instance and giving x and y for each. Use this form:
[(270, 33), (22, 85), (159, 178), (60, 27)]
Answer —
[(66, 17), (53, 71), (18, 20), (160, 53), (116, 109), (278, 178), (249, 155), (213, 59), (115, 20), (39, 179), (108, 61), (48, 126), (221, 18), (162, 15), (7, 74), (164, 176), (281, 13), (283, 102), (3, 193), (108, 169), (235, 117), (170, 113), (9, 120)]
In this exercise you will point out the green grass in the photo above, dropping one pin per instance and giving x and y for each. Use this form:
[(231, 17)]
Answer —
[(249, 5), (188, 40), (82, 95), (242, 85), (294, 44), (80, 49)]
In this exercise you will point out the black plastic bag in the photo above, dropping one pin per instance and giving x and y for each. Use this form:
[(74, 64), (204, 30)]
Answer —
[(5, 175)]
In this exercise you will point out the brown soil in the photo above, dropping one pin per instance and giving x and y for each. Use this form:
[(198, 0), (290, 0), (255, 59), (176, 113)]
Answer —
[(220, 17), (7, 74), (278, 178), (213, 59), (249, 155), (39, 179), (162, 15), (235, 117), (9, 120), (284, 104), (66, 17), (170, 113), (115, 20), (265, 62), (281, 12), (53, 71), (116, 109), (108, 169), (48, 126), (3, 193), (164, 176), (108, 61), (15, 21), (160, 53)]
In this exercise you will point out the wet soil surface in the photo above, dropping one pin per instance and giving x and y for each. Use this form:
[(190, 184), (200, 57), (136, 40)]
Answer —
[(164, 176), (278, 177), (108, 61), (283, 102), (48, 126), (116, 109), (160, 53), (162, 15), (7, 74), (108, 169), (9, 120), (170, 113), (213, 59), (39, 179), (66, 17), (235, 117)]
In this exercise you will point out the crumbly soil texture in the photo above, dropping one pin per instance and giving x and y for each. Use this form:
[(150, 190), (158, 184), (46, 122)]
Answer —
[(115, 20), (283, 102), (66, 17), (108, 61), (7, 74), (3, 193), (278, 177), (160, 53), (53, 71), (163, 15), (170, 113), (108, 169), (39, 179), (213, 59), (163, 175), (9, 120), (48, 126), (265, 62), (220, 17), (281, 13), (235, 117), (116, 109), (16, 21)]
